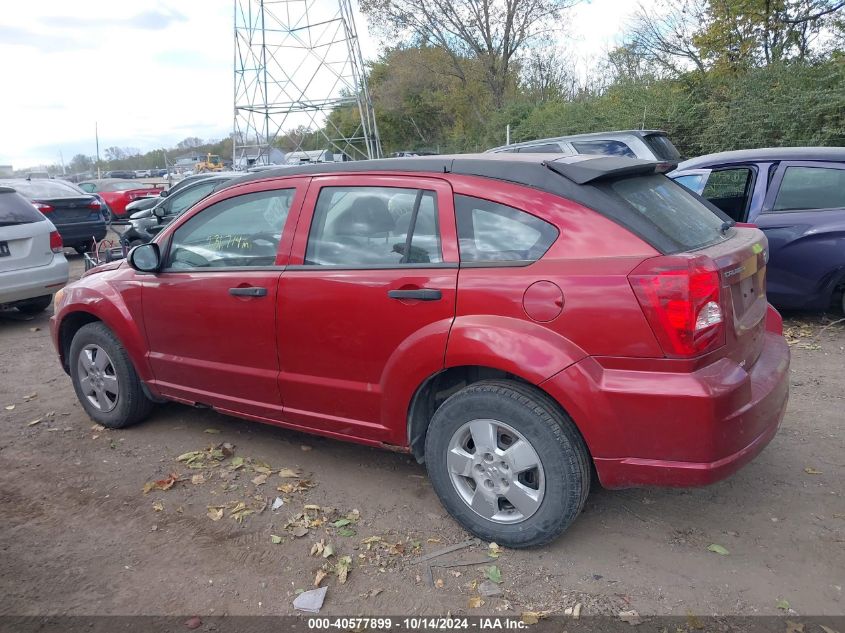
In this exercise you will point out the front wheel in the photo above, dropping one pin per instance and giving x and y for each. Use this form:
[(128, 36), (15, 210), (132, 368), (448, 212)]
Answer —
[(104, 379), (507, 463)]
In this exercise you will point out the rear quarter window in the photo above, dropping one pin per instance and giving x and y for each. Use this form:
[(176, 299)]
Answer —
[(15, 209), (607, 148), (674, 212), (662, 147), (492, 232)]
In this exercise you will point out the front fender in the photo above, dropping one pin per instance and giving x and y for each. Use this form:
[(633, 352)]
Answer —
[(522, 348), (117, 303)]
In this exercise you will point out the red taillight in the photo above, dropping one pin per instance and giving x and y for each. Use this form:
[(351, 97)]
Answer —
[(56, 243), (44, 208), (94, 205), (681, 298)]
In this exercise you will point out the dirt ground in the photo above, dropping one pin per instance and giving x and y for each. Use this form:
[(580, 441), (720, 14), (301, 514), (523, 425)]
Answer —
[(78, 535)]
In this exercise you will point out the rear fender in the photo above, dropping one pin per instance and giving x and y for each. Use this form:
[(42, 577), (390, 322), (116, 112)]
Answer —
[(522, 348)]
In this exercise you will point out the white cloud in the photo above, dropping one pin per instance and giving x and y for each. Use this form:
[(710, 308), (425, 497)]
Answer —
[(151, 74)]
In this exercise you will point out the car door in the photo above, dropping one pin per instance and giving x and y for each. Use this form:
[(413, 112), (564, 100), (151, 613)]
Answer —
[(803, 217), (210, 314), (366, 305)]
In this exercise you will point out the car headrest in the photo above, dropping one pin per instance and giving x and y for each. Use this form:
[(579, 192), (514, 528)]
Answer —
[(367, 217)]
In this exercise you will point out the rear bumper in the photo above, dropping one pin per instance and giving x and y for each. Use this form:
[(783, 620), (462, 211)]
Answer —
[(677, 429), (81, 233), (29, 283)]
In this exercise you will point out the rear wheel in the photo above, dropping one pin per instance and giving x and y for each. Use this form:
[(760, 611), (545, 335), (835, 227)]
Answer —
[(507, 463), (34, 306), (104, 379), (83, 248)]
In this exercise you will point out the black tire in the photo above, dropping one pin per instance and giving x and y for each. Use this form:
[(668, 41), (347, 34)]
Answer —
[(83, 248), (550, 432), (34, 306), (131, 405)]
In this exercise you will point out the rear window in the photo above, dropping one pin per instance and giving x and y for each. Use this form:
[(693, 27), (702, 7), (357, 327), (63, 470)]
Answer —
[(44, 189), (15, 209), (607, 148), (673, 211), (126, 186), (662, 147)]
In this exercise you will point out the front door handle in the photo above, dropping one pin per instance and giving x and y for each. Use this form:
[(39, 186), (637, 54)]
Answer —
[(249, 291), (420, 294)]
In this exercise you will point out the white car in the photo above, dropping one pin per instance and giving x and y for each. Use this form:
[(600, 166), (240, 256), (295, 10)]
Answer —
[(32, 264)]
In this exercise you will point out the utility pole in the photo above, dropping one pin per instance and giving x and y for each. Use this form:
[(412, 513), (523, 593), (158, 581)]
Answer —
[(97, 140)]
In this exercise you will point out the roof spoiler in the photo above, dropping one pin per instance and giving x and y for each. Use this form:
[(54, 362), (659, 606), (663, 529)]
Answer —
[(607, 168)]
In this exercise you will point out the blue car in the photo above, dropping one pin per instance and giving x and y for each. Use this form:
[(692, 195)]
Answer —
[(796, 195)]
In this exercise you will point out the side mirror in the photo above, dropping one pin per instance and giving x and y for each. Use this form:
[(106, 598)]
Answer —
[(145, 258), (164, 193), (159, 211)]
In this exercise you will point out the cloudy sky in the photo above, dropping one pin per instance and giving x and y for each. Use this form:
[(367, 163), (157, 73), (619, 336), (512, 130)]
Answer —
[(152, 73)]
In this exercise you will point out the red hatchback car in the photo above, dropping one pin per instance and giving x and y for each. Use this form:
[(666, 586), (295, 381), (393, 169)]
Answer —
[(521, 323)]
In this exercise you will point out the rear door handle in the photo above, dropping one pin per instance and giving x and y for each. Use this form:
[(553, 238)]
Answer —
[(420, 294), (249, 291)]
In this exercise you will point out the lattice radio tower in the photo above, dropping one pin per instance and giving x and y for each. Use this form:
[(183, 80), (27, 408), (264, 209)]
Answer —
[(296, 61)]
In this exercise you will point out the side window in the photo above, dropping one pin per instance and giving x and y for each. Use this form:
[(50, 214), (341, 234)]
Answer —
[(693, 182), (610, 148), (492, 232), (240, 231), (730, 190), (544, 148), (188, 197), (811, 188), (372, 226), (87, 186)]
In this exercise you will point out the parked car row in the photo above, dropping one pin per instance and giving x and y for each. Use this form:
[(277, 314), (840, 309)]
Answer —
[(118, 193)]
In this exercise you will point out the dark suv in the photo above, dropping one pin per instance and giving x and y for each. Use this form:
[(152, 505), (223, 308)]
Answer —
[(513, 322), (796, 195)]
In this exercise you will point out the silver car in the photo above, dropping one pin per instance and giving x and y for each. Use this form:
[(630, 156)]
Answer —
[(32, 264), (645, 144)]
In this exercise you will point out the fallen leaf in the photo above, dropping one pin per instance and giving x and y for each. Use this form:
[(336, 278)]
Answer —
[(475, 602), (317, 548), (347, 532), (34, 422), (319, 577), (354, 515), (631, 617), (794, 627), (341, 522), (783, 605), (311, 506), (493, 550), (260, 480), (158, 506), (287, 473), (493, 574), (198, 479), (439, 583), (328, 550), (275, 540), (162, 484), (299, 531), (342, 568), (212, 431), (812, 471), (98, 427), (718, 549), (215, 514), (532, 617), (263, 469)]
